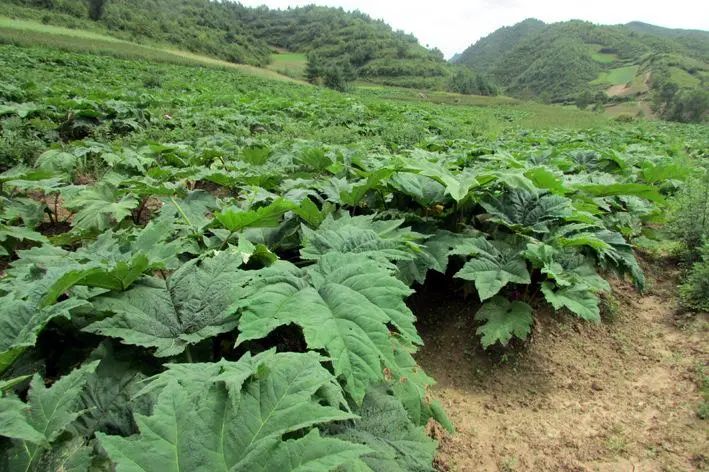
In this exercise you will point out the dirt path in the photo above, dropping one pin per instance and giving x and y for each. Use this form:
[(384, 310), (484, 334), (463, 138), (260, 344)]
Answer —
[(619, 396)]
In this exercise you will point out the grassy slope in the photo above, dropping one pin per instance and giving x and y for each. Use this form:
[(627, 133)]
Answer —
[(29, 33), (499, 112), (617, 76), (602, 57), (531, 115), (291, 64)]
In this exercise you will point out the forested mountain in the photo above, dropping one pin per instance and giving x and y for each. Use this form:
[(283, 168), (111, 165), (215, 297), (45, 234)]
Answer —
[(365, 47), (488, 50), (561, 61)]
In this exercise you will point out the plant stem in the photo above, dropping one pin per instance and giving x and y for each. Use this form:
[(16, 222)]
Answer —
[(182, 214), (226, 241)]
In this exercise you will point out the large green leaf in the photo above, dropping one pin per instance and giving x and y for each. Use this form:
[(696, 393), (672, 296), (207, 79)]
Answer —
[(494, 264), (410, 384), (110, 394), (502, 320), (433, 255), (457, 184), (113, 262), (607, 190), (545, 178), (191, 305), (345, 304), (218, 423), (383, 240), (97, 207), (397, 444), (13, 421), (579, 299), (20, 233), (424, 190), (51, 411), (70, 455), (22, 320), (235, 219), (522, 210), (93, 274), (611, 248), (192, 211)]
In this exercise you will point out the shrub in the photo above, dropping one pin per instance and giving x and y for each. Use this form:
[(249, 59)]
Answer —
[(689, 217), (694, 291), (466, 82), (689, 225)]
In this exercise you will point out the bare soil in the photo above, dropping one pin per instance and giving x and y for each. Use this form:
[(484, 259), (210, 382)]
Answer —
[(617, 396)]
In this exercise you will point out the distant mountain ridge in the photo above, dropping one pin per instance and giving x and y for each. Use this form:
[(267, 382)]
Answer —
[(556, 62)]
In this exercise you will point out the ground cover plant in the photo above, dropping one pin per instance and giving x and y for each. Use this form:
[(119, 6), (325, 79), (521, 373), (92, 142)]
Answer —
[(204, 270)]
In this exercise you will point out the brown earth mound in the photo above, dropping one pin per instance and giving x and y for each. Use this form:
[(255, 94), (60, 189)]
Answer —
[(617, 396)]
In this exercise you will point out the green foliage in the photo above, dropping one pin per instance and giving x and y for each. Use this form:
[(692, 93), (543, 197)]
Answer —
[(570, 61), (97, 9), (344, 304), (347, 44), (494, 265), (688, 224), (686, 106), (191, 305), (383, 426), (172, 239), (694, 291), (382, 240), (688, 220), (38, 425), (584, 99), (336, 74), (577, 298), (503, 319), (237, 414), (468, 83)]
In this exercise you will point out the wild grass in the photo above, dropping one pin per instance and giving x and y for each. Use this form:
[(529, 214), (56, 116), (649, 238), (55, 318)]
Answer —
[(291, 64), (28, 33)]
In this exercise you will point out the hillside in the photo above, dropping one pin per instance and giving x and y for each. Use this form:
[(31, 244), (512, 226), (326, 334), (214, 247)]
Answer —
[(485, 53), (232, 32), (558, 62)]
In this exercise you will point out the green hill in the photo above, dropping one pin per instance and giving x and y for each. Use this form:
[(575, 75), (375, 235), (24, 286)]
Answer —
[(232, 32), (485, 53), (560, 61)]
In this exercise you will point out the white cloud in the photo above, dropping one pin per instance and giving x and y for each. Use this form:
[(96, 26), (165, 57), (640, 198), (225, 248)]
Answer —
[(452, 25)]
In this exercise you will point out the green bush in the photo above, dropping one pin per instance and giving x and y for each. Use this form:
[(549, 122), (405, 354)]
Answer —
[(467, 82), (336, 75), (689, 217), (689, 225), (694, 291)]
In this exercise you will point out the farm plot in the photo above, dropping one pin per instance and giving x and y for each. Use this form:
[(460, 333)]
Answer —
[(204, 269)]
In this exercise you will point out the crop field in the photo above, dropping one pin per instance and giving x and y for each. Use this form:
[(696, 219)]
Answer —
[(602, 57), (617, 76), (32, 33), (291, 64), (684, 78), (203, 269)]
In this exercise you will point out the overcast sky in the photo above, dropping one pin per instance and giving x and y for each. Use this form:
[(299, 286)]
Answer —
[(452, 25)]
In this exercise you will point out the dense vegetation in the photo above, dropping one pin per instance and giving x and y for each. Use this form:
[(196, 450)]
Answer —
[(562, 61), (348, 44), (207, 269)]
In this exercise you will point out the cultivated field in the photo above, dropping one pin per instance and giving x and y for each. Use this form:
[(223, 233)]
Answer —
[(203, 268)]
